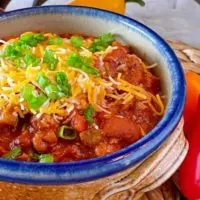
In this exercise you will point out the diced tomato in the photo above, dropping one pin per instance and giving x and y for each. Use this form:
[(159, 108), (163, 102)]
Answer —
[(79, 122), (24, 140), (39, 144), (45, 122), (105, 148), (50, 137)]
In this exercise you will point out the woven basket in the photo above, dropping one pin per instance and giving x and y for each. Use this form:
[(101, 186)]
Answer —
[(190, 60)]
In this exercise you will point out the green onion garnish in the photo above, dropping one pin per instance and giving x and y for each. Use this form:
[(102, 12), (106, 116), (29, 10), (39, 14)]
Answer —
[(43, 80), (50, 59), (46, 158), (55, 41), (89, 113), (42, 158), (27, 91), (102, 42), (15, 51), (76, 41), (55, 91), (63, 83), (67, 133), (11, 155), (31, 39), (20, 51), (77, 61), (52, 91), (31, 60), (61, 78), (35, 101)]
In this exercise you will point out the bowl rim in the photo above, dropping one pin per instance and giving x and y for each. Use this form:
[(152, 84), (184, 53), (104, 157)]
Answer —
[(92, 169)]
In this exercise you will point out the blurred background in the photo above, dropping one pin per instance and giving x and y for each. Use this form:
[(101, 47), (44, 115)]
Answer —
[(173, 19)]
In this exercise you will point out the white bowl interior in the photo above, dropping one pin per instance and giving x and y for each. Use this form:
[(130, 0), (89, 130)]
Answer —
[(71, 23)]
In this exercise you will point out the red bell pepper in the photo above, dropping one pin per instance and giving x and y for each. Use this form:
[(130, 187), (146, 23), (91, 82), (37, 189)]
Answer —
[(189, 176), (193, 91)]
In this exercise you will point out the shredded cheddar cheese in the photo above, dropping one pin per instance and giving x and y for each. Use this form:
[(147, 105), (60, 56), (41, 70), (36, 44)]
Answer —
[(85, 87)]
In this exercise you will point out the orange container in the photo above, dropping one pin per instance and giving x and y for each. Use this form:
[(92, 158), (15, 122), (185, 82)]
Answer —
[(117, 6)]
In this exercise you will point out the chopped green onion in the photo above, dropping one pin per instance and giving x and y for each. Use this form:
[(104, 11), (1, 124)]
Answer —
[(52, 92), (43, 158), (31, 60), (55, 41), (63, 83), (50, 59), (20, 63), (34, 101), (65, 91), (77, 61), (67, 133), (102, 42), (90, 70), (27, 91), (61, 78), (32, 39), (15, 50), (63, 88), (11, 155), (20, 51), (89, 113), (43, 80), (76, 41), (46, 158), (11, 51)]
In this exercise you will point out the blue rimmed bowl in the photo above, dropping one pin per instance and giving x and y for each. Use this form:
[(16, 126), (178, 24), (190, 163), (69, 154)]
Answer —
[(149, 45)]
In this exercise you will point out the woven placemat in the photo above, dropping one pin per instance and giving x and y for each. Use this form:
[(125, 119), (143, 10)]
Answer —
[(167, 191), (189, 56), (190, 60)]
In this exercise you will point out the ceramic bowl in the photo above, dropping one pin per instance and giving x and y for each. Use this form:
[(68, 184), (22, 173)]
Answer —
[(103, 176)]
